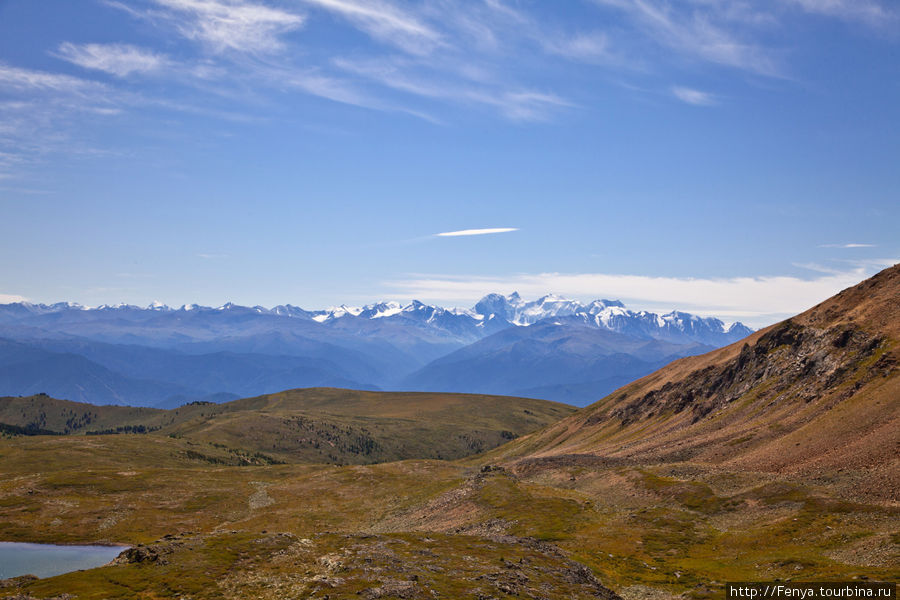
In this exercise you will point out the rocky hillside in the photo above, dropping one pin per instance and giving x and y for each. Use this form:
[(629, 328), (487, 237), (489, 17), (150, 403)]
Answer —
[(814, 394)]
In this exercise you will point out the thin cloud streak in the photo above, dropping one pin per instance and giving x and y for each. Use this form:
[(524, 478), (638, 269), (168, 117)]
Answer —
[(221, 26), (704, 32), (402, 75), (118, 59), (758, 301), (465, 232), (385, 22), (15, 78), (594, 48), (851, 245), (695, 97), (869, 12)]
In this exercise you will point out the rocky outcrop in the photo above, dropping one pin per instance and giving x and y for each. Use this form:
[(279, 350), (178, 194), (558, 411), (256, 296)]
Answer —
[(790, 363), (158, 552)]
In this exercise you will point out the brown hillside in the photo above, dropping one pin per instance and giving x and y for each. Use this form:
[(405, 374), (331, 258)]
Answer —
[(313, 425), (818, 395)]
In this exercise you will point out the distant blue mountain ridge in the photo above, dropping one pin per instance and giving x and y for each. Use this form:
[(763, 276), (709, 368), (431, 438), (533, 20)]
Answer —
[(551, 348)]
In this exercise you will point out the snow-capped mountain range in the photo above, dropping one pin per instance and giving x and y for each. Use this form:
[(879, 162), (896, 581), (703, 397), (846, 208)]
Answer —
[(551, 348), (491, 313)]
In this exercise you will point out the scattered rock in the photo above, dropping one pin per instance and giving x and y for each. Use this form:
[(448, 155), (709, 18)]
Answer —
[(391, 589), (260, 498), (14, 582)]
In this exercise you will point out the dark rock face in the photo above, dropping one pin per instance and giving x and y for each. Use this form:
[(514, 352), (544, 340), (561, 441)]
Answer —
[(789, 363), (155, 553), (514, 580)]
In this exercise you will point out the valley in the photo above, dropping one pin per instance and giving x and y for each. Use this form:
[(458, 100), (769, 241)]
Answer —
[(773, 458)]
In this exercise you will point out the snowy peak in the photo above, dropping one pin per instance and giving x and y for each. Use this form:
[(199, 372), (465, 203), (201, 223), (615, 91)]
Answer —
[(676, 326), (336, 312), (600, 305), (492, 313), (547, 307), (498, 306), (381, 310), (289, 310), (738, 330), (519, 312)]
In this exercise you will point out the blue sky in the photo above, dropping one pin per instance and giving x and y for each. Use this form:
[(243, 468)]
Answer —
[(726, 157)]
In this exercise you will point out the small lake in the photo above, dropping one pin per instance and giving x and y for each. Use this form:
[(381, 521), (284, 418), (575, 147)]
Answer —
[(46, 560)]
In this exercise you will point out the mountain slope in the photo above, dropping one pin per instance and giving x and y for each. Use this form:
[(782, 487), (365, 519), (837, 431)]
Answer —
[(26, 370), (813, 394), (318, 425), (99, 373), (244, 374), (563, 360)]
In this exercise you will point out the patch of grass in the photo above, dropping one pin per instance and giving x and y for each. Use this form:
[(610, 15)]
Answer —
[(549, 517), (741, 440), (690, 494)]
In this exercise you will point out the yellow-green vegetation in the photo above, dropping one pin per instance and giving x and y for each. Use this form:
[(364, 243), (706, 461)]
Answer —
[(130, 488), (677, 528), (318, 425), (284, 565), (41, 413)]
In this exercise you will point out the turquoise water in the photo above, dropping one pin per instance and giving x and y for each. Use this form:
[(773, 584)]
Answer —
[(46, 560)]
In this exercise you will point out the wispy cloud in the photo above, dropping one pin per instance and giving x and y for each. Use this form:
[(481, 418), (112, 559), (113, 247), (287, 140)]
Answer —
[(432, 37), (48, 114), (456, 58), (521, 105), (870, 12), (11, 298), (588, 47), (386, 22), (692, 96), (464, 232), (15, 78), (756, 300), (224, 25), (424, 58), (407, 76), (211, 255), (118, 59), (21, 190), (39, 118), (850, 245), (314, 82), (701, 30)]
